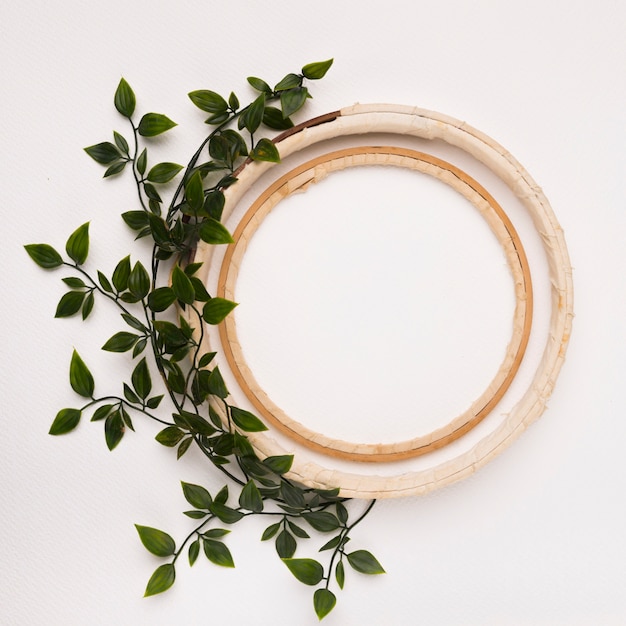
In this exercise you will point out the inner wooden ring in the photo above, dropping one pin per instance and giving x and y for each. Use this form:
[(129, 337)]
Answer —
[(312, 171)]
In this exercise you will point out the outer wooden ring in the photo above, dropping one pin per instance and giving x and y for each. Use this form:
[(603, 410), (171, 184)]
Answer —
[(299, 179), (424, 124)]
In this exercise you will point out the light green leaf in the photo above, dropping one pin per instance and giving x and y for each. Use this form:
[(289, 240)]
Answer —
[(80, 377), (162, 579), (124, 99), (156, 541), (65, 421), (324, 602), (44, 255), (77, 246), (307, 571), (315, 71)]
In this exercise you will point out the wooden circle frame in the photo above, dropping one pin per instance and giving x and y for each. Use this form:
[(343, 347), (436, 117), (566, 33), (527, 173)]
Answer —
[(301, 178), (424, 124)]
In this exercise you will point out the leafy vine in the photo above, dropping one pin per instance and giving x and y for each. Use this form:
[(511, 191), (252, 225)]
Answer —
[(162, 342)]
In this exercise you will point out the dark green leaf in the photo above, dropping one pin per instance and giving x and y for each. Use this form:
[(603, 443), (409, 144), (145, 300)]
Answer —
[(323, 521), (217, 118), (170, 436), (233, 101), (214, 204), (289, 82), (136, 219), (202, 295), (124, 99), (285, 545), (133, 322), (183, 289), (217, 386), (254, 114), (104, 152), (340, 574), (183, 447), (259, 85), (194, 551), (196, 514), (342, 512), (159, 230), (265, 150), (153, 124), (246, 420), (154, 402), (162, 579), (270, 531), (216, 533), (88, 305), (218, 553), (292, 494), (364, 562), (121, 342), (194, 192), (208, 101), (279, 464), (104, 282), (141, 380), (121, 274), (80, 377), (273, 118), (156, 541), (120, 142), (77, 246), (292, 100), (142, 161), (139, 281), (113, 429), (315, 71), (225, 513), (250, 498), (244, 449), (74, 283), (214, 232), (297, 531), (65, 421), (44, 255), (330, 545), (115, 168), (216, 309), (125, 417), (70, 303), (197, 495), (307, 571), (324, 602), (163, 172), (101, 412), (222, 495)]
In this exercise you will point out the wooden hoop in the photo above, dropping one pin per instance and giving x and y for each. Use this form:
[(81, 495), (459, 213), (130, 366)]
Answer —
[(424, 124), (298, 180)]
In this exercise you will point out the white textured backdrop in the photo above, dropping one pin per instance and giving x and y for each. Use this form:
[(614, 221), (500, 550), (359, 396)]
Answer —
[(537, 536)]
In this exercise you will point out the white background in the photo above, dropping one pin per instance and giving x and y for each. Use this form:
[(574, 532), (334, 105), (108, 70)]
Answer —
[(535, 537)]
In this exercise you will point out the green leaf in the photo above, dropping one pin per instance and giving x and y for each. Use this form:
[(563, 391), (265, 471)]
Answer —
[(183, 289), (225, 513), (285, 545), (307, 571), (273, 118), (323, 521), (246, 420), (77, 246), (152, 124), (161, 299), (121, 342), (292, 494), (340, 574), (208, 101), (156, 541), (121, 143), (170, 436), (218, 553), (197, 495), (292, 100), (330, 545), (115, 168), (342, 512), (113, 429), (233, 101), (364, 562), (70, 303), (216, 309), (254, 114), (88, 305), (124, 99), (217, 386), (162, 579), (183, 447), (141, 380), (279, 464), (194, 192), (65, 421), (80, 377), (216, 533), (139, 281), (104, 282), (315, 71), (163, 172), (324, 602), (121, 274), (136, 219), (44, 255), (101, 412), (74, 282), (265, 150), (142, 161), (250, 498), (194, 551), (259, 85), (270, 531), (297, 531), (214, 232), (288, 82), (104, 153)]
